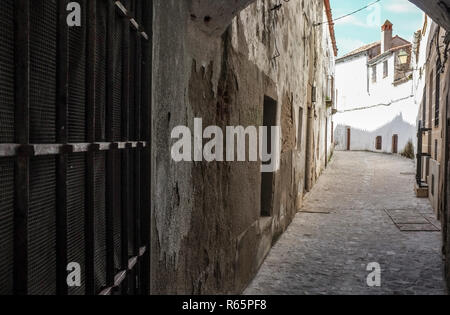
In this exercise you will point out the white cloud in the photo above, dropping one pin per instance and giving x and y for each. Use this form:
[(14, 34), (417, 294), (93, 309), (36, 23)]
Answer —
[(400, 6), (352, 20), (348, 44)]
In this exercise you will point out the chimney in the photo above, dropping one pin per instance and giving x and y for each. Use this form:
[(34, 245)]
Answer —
[(386, 36)]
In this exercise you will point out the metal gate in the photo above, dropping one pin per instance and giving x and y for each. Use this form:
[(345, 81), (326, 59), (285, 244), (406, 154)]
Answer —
[(74, 146)]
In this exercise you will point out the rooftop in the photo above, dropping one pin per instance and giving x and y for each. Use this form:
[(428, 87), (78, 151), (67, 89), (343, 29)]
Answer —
[(368, 47)]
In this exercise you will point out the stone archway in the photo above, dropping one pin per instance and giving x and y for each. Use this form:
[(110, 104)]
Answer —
[(438, 10), (213, 16)]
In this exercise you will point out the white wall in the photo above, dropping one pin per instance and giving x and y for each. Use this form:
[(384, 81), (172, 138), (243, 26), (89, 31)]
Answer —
[(419, 74), (351, 82), (363, 140), (325, 114), (384, 109)]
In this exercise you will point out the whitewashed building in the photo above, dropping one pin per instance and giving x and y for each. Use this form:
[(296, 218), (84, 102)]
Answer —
[(389, 138), (374, 86)]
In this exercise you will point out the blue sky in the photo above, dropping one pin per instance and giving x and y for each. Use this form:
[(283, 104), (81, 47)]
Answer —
[(365, 27)]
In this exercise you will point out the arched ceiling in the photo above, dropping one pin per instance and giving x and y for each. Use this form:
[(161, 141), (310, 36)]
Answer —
[(213, 16), (438, 10)]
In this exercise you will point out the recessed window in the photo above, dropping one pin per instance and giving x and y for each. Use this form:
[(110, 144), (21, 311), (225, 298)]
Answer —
[(435, 150), (385, 69), (379, 143), (424, 108), (269, 120), (374, 73), (432, 184), (395, 144), (437, 94), (300, 129)]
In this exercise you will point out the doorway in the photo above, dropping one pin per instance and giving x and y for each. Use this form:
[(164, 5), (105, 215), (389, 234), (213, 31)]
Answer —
[(395, 144), (269, 120), (349, 138), (379, 143)]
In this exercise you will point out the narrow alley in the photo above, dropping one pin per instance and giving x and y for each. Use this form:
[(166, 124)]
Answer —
[(347, 222), (217, 147)]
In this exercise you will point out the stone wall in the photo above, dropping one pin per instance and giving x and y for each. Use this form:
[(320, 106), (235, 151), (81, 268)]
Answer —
[(435, 142), (218, 63)]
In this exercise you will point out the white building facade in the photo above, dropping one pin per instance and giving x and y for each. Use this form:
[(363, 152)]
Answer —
[(375, 96)]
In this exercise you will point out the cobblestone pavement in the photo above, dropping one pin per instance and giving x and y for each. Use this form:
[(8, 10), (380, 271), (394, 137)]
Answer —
[(328, 252)]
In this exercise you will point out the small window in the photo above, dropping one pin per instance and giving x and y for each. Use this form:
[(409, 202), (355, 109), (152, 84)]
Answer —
[(332, 132), (432, 184), (385, 69), (395, 144), (431, 87), (374, 74), (436, 150), (424, 108), (300, 129), (269, 120), (379, 143), (437, 94)]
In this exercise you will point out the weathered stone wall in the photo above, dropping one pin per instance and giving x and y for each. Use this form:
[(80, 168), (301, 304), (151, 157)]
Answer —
[(432, 49), (208, 235)]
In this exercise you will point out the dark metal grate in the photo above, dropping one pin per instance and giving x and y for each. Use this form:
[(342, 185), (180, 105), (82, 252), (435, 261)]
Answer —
[(131, 225), (116, 214), (100, 71), (117, 85), (43, 33), (99, 221), (71, 185), (132, 76), (7, 72), (77, 81), (76, 192), (6, 225), (41, 226)]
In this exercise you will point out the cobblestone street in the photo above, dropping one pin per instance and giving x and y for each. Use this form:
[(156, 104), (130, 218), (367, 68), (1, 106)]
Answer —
[(347, 223)]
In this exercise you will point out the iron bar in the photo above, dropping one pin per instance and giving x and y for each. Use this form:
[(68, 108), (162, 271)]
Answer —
[(122, 275), (61, 161), (22, 164), (129, 179), (90, 171), (14, 149)]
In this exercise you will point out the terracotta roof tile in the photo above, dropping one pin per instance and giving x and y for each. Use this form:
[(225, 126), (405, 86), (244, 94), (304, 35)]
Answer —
[(361, 49), (373, 45)]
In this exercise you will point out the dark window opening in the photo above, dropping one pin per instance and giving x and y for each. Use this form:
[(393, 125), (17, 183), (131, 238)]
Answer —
[(436, 149), (395, 144), (424, 108), (385, 69), (300, 129), (332, 132), (430, 105), (432, 184), (437, 95), (374, 74), (379, 143), (349, 138), (269, 120)]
